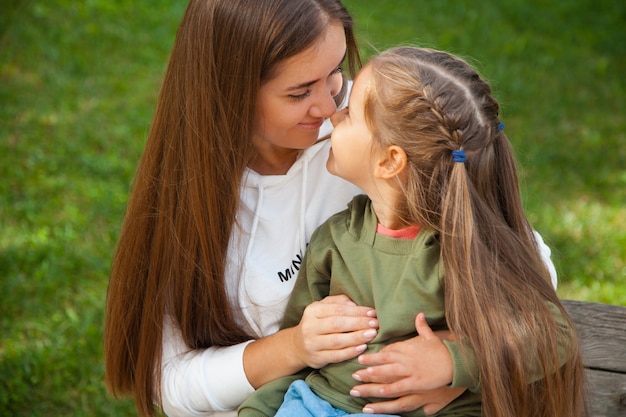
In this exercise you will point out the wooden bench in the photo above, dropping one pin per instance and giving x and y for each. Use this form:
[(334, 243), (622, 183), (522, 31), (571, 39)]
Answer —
[(602, 331)]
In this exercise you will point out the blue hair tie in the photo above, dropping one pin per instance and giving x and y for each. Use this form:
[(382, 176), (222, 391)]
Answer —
[(500, 127), (459, 156)]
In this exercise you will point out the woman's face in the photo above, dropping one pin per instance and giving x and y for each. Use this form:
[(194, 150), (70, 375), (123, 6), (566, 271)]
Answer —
[(292, 106)]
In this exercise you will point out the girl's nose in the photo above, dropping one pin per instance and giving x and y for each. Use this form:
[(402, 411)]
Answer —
[(338, 116)]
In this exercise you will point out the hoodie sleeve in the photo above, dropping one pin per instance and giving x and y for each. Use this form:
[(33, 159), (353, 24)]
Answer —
[(466, 372), (201, 382), (544, 251)]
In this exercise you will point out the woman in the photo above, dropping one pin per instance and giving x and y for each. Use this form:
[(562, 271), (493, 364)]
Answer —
[(230, 187)]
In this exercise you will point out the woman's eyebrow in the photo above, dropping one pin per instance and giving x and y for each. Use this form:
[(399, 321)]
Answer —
[(303, 85)]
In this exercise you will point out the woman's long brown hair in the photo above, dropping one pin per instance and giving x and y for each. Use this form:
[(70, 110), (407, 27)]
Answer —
[(499, 301), (173, 243)]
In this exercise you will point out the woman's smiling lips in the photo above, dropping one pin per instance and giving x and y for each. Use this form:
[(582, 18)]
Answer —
[(313, 125)]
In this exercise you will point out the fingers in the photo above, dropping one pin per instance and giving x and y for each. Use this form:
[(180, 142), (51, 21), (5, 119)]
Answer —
[(349, 343), (388, 378), (432, 401), (423, 362), (325, 357), (317, 320), (338, 299), (383, 389), (396, 406), (382, 357), (383, 367), (335, 329), (381, 374), (422, 327), (340, 305), (441, 397), (330, 317)]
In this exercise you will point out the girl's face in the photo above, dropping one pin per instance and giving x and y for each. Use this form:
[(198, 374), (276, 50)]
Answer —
[(351, 155), (292, 106)]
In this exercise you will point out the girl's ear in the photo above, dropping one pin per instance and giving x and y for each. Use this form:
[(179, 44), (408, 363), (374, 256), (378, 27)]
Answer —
[(391, 163)]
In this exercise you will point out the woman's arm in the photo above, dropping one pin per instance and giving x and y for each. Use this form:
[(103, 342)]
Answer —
[(198, 382), (545, 253), (331, 330)]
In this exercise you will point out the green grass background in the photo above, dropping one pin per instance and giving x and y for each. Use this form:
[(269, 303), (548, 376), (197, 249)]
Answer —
[(78, 82)]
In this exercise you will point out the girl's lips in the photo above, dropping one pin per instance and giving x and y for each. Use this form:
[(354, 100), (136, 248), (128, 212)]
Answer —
[(312, 126)]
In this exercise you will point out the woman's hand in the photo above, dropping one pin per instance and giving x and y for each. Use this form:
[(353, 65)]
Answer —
[(333, 330), (407, 371)]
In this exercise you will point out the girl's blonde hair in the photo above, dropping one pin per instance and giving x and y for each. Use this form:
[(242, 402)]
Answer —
[(498, 297), (173, 244)]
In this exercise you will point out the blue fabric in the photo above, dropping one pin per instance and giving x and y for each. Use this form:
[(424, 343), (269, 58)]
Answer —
[(300, 401)]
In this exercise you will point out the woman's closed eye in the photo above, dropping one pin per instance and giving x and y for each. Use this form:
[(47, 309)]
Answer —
[(298, 97), (307, 93)]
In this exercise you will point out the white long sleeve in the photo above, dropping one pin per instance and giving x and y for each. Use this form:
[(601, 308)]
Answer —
[(201, 383), (544, 251)]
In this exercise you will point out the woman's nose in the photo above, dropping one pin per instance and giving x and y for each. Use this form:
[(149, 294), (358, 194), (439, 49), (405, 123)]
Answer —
[(325, 106)]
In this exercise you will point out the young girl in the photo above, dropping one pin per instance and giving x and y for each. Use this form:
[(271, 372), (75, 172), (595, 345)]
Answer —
[(442, 232)]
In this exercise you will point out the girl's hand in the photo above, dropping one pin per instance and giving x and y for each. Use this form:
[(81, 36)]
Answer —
[(432, 402), (333, 330), (407, 369)]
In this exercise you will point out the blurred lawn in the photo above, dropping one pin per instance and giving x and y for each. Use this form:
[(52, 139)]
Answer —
[(78, 82)]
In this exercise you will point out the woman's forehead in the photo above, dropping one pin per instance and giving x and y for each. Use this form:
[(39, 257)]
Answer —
[(316, 62)]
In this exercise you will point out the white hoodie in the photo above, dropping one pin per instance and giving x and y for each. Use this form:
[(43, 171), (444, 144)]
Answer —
[(277, 216)]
